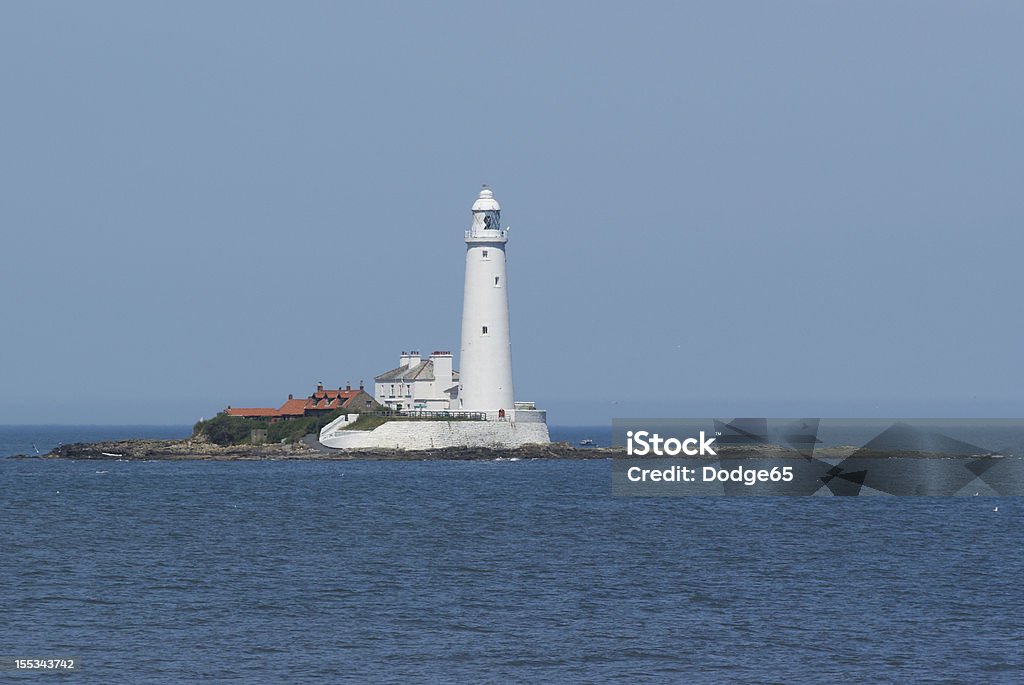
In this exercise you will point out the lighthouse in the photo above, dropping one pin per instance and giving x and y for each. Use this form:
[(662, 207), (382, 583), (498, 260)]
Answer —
[(482, 387), (485, 380)]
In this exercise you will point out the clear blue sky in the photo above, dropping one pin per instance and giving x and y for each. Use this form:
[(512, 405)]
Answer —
[(717, 208)]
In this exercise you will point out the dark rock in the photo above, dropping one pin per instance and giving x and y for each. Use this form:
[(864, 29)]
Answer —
[(195, 449)]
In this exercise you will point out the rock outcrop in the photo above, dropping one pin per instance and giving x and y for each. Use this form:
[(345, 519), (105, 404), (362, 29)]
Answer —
[(195, 449)]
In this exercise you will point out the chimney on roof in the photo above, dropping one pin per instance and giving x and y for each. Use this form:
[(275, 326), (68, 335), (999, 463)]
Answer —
[(320, 386), (360, 384), (442, 369), (348, 385), (414, 358)]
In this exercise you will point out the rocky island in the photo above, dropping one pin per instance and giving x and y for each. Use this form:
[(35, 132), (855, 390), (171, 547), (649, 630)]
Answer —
[(193, 449)]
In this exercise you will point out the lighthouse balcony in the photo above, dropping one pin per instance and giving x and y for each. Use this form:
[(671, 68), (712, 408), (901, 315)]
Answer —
[(487, 235)]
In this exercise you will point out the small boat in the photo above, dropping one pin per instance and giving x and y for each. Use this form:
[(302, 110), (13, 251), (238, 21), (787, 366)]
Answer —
[(586, 442)]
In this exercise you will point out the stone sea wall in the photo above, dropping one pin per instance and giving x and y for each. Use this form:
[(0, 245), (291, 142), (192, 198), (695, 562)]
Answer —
[(428, 435)]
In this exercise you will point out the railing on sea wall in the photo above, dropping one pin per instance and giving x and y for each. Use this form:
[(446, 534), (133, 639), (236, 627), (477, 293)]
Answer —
[(423, 414)]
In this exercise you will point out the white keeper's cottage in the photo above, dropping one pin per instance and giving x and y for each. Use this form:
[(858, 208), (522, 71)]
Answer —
[(418, 384)]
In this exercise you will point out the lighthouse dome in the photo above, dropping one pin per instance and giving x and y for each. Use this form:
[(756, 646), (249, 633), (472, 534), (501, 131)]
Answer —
[(485, 202)]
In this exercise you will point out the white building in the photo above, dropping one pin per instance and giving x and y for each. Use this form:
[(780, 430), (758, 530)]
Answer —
[(418, 384)]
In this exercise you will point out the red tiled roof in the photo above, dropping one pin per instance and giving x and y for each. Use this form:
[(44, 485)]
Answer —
[(252, 411), (334, 394), (323, 403), (293, 408), (321, 399), (332, 399)]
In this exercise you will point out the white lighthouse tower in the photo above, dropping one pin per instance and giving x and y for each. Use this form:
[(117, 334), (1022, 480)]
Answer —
[(485, 378)]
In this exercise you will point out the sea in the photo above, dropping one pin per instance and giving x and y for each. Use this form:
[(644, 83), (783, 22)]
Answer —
[(493, 572)]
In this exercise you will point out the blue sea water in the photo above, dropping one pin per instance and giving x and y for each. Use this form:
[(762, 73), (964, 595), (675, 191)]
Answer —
[(503, 571), (41, 439), (601, 435)]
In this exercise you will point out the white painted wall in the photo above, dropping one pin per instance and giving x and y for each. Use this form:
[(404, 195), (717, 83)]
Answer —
[(425, 435), (337, 424), (442, 373)]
